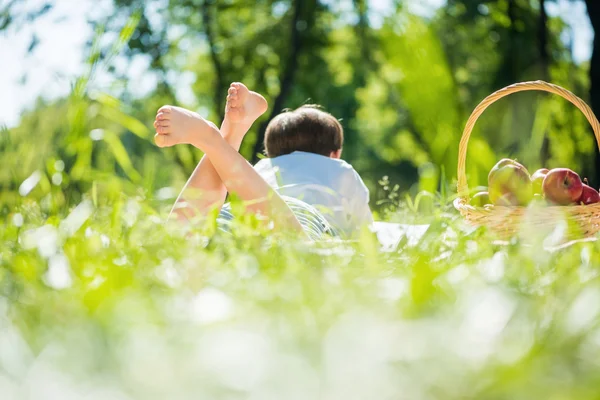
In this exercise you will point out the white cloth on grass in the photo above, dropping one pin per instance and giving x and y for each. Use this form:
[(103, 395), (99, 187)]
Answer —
[(330, 185)]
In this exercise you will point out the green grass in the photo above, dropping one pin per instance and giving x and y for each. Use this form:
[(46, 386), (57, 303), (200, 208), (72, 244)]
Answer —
[(100, 300), (109, 302)]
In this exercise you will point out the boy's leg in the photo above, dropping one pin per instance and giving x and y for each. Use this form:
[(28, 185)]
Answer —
[(204, 189), (178, 125)]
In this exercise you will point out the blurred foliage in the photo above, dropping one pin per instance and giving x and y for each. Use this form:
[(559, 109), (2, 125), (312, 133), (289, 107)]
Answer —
[(402, 85), (99, 299)]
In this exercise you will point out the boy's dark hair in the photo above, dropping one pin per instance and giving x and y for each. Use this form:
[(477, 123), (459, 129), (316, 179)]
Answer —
[(306, 129)]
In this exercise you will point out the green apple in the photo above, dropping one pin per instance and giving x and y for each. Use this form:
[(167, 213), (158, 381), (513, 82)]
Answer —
[(537, 180), (509, 184), (480, 199)]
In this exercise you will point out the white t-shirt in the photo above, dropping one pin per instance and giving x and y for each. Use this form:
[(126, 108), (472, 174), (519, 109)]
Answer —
[(330, 185)]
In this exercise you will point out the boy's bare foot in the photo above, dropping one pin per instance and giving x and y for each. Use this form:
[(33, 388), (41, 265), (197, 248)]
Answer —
[(244, 105), (176, 125)]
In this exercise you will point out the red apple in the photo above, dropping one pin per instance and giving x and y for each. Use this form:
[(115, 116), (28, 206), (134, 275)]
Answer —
[(589, 195), (537, 179), (480, 199), (562, 186), (509, 184)]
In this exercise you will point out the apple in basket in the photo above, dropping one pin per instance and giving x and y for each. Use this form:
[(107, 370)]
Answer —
[(589, 195), (509, 184), (538, 201), (562, 186), (480, 199), (537, 180)]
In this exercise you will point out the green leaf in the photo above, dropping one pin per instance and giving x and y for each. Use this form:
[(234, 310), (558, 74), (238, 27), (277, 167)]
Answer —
[(107, 100), (120, 154), (129, 28), (128, 122)]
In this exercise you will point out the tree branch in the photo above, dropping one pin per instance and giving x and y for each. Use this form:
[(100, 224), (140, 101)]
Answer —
[(217, 65), (287, 76)]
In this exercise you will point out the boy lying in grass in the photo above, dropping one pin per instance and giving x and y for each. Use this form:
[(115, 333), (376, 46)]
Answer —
[(303, 185)]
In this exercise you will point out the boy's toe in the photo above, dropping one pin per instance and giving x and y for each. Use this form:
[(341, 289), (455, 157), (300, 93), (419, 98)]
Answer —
[(162, 140), (232, 90), (240, 87), (162, 130), (165, 109)]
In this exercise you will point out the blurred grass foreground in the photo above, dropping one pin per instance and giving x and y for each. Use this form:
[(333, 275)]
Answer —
[(100, 299), (107, 304)]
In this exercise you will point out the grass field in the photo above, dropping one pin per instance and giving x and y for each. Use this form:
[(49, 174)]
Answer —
[(100, 299), (106, 302)]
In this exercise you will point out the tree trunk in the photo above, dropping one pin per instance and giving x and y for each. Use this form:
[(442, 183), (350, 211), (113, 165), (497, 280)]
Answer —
[(362, 29), (593, 8), (514, 70), (513, 34), (544, 70), (219, 88), (543, 41), (303, 12)]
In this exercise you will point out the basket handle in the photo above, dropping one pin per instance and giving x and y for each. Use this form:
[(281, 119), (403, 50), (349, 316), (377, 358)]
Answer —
[(463, 188)]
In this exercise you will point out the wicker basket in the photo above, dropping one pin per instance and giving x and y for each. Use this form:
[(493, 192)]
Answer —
[(507, 221)]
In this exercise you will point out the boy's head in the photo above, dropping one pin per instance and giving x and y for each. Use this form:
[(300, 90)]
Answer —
[(306, 129)]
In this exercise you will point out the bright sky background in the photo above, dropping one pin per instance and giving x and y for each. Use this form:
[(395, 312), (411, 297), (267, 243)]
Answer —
[(64, 31)]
